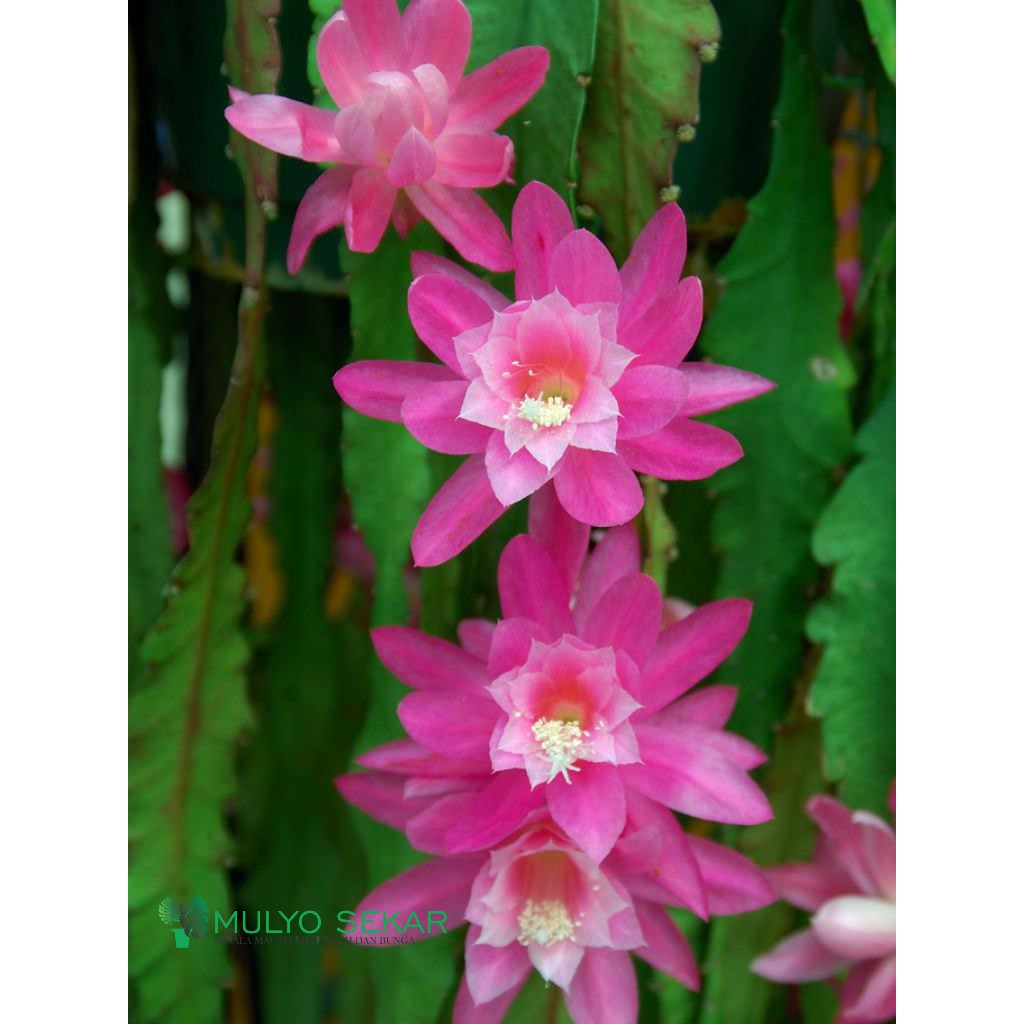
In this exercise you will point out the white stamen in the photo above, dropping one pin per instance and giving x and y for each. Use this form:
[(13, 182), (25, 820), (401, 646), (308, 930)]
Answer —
[(546, 923), (561, 744), (545, 412)]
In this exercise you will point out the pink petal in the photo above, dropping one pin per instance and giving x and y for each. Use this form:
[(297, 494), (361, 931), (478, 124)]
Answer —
[(412, 161), (869, 993), (665, 947), (710, 706), (540, 220), (513, 477), (434, 885), (603, 990), (494, 813), (740, 751), (711, 387), (428, 830), (565, 538), (460, 511), (808, 886), (491, 971), (404, 757), (475, 635), (380, 796), (665, 333), (655, 262), (356, 136), (597, 488), (473, 161), (556, 963), (801, 957), (689, 650), (432, 417), (592, 810), (457, 724), (341, 61), (684, 450), (467, 1012), (465, 220), (857, 927), (378, 387), (878, 843), (322, 208), (377, 27), (836, 823), (627, 617), (698, 781), (583, 269), (426, 662), (430, 263), (511, 645), (286, 127), (531, 585), (615, 555), (485, 98), (734, 884), (441, 307), (369, 209), (649, 397), (438, 32)]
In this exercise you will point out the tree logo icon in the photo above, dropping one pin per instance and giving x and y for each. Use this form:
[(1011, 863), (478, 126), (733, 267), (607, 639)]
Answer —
[(187, 919)]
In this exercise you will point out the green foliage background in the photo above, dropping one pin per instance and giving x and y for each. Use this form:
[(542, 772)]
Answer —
[(251, 678)]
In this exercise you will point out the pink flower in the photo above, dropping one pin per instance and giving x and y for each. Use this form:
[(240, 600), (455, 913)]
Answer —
[(850, 888), (579, 381), (571, 706), (412, 137)]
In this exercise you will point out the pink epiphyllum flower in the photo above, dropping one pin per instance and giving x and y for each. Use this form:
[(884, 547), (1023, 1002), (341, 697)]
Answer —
[(850, 888), (413, 137), (572, 706), (579, 381)]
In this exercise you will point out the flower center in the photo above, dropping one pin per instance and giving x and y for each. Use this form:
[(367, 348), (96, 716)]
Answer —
[(545, 922), (552, 411), (561, 744)]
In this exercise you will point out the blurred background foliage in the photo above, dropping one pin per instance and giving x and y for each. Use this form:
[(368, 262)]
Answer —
[(268, 531)]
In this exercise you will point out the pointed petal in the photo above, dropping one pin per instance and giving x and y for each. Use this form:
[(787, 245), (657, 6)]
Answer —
[(710, 706), (431, 263), (540, 220), (494, 813), (442, 307), (665, 947), (473, 161), (511, 645), (808, 886), (878, 843), (513, 476), (683, 450), (432, 417), (666, 332), (836, 823), (465, 220), (857, 927), (655, 262), (615, 555), (869, 993), (380, 796), (460, 511), (438, 32), (475, 636), (404, 757), (583, 269), (565, 538), (341, 61), (710, 387), (628, 617), (322, 208), (412, 161), (378, 387), (286, 126), (457, 723), (467, 1012), (649, 397), (427, 662), (369, 209), (377, 27), (592, 810), (492, 971), (531, 585), (485, 98), (734, 884), (603, 990), (801, 957), (597, 488)]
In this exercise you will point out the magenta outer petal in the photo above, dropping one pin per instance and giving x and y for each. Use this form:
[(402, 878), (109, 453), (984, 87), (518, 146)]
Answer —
[(711, 387), (666, 948), (341, 61), (430, 263), (491, 971), (426, 662), (869, 993), (800, 957), (475, 636), (592, 810), (513, 477), (808, 886), (434, 885), (322, 208), (734, 884), (857, 927), (378, 387), (684, 450), (666, 332), (565, 538), (511, 645), (485, 98), (438, 32), (380, 796), (710, 706), (404, 757), (740, 751), (531, 585), (649, 397), (615, 555), (689, 650), (597, 488), (460, 511), (371, 199), (441, 307), (428, 830), (286, 126), (603, 990), (540, 220), (494, 813), (655, 262), (467, 1012), (453, 724), (412, 161), (377, 27), (628, 617), (473, 161), (465, 220), (583, 270), (432, 417)]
